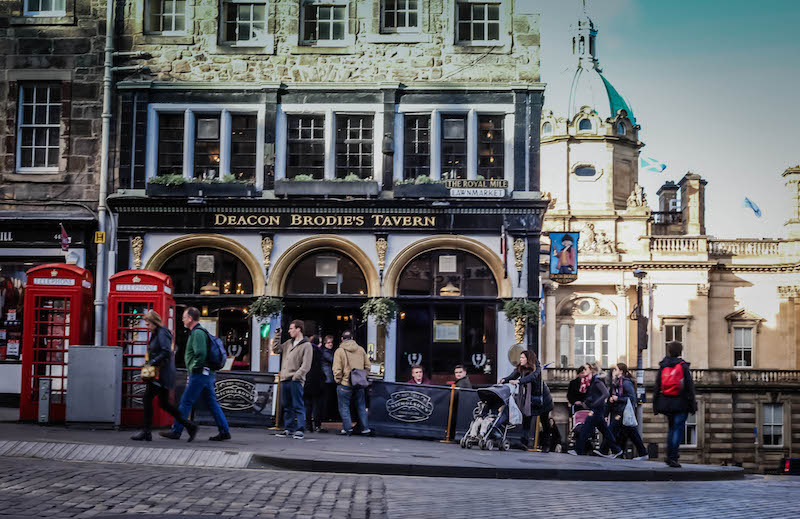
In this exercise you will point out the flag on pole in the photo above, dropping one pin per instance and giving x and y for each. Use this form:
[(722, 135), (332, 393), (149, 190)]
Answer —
[(749, 204), (64, 238), (651, 164), (541, 304)]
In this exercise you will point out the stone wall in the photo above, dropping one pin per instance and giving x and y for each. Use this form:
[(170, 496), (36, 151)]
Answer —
[(68, 50), (369, 56)]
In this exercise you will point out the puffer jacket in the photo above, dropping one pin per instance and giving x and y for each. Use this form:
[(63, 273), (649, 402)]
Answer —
[(348, 357)]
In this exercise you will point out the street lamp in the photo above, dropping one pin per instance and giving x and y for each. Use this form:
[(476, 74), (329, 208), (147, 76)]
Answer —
[(641, 343)]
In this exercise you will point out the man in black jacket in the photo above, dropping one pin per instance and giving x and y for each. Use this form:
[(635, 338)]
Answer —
[(674, 397)]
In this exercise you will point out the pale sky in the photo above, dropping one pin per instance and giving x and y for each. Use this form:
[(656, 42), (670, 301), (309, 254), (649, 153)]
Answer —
[(714, 87)]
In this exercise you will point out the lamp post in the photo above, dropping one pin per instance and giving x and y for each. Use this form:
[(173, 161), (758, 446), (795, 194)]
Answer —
[(641, 343)]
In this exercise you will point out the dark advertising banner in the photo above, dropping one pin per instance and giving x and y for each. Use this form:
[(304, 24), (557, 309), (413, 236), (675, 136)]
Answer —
[(466, 410), (408, 410), (245, 398)]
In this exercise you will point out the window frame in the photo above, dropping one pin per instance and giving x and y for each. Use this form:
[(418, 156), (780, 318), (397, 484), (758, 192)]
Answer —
[(501, 22), (187, 20), (347, 40), (53, 13), (691, 422), (752, 347), (436, 113), (763, 424), (547, 129), (312, 128), (400, 30), (19, 168), (190, 111), (262, 41), (347, 142)]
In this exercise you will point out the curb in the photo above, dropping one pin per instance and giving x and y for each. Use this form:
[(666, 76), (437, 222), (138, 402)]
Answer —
[(260, 461)]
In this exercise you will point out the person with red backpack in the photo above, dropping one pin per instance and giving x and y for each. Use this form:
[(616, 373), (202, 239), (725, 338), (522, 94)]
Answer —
[(674, 397)]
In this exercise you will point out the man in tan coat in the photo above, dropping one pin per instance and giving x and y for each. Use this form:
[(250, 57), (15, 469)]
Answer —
[(348, 357), (296, 357)]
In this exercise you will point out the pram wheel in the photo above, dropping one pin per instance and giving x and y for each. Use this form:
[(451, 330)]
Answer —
[(482, 444), (489, 444), (504, 445), (464, 442)]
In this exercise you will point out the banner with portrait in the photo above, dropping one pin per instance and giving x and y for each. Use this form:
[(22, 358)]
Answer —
[(564, 256)]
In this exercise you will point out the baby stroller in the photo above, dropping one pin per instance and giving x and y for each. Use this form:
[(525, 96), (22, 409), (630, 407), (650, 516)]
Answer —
[(491, 425), (579, 417)]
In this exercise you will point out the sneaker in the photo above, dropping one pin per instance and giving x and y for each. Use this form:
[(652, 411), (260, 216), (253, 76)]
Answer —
[(611, 456), (144, 436), (220, 437), (170, 435), (641, 458), (192, 430), (572, 453), (366, 432), (320, 430), (345, 433), (298, 435), (283, 434), (673, 463)]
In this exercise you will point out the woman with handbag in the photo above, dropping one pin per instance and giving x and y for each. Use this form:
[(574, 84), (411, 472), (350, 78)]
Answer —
[(159, 374), (623, 409), (533, 398)]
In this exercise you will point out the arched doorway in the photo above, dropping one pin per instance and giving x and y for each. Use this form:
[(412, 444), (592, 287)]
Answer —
[(325, 289), (219, 284), (448, 316)]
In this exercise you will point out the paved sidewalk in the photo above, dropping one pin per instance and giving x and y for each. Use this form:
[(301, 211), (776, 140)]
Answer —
[(259, 448)]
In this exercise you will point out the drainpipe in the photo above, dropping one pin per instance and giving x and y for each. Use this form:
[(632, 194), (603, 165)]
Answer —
[(100, 280)]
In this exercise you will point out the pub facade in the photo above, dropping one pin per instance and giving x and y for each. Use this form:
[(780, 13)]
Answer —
[(328, 154)]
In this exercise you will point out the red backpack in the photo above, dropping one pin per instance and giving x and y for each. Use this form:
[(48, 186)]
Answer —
[(672, 379)]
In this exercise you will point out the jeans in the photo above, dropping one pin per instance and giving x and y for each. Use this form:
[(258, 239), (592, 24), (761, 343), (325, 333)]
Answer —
[(596, 421), (621, 431), (675, 432), (152, 391), (294, 410), (345, 395), (201, 384)]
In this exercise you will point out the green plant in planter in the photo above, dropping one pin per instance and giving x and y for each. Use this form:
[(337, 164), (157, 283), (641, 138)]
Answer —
[(521, 309), (170, 180), (302, 177), (422, 179), (265, 307), (383, 309), (352, 177)]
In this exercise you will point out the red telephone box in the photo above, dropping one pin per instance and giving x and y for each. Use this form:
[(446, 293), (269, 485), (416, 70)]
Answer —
[(131, 294), (58, 312)]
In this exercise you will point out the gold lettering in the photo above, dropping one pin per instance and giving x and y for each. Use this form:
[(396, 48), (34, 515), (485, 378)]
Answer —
[(319, 221), (333, 220), (241, 221), (417, 221), (375, 219), (232, 220), (406, 221), (359, 220), (296, 219), (251, 220), (430, 221), (274, 220), (307, 221), (219, 219)]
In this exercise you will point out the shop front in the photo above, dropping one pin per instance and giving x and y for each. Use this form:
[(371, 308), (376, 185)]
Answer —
[(445, 265)]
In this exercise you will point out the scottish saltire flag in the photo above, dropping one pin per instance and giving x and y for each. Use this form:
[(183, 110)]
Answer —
[(749, 204), (651, 164)]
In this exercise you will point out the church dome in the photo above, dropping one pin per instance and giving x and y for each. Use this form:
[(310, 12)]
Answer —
[(590, 88)]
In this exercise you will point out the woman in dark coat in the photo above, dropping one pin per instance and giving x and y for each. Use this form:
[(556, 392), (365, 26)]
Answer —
[(528, 375), (623, 390), (312, 390), (160, 355)]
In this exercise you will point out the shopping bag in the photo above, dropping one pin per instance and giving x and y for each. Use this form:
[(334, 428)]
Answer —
[(629, 416), (514, 414)]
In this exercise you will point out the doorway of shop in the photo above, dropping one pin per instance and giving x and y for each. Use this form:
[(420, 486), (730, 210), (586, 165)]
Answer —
[(228, 321), (325, 317)]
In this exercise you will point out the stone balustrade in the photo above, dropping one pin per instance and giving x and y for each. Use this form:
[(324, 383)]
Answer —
[(744, 247), (560, 377), (678, 245)]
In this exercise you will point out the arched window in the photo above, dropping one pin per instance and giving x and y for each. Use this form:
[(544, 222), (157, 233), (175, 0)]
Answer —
[(585, 124), (585, 171), (210, 272), (621, 129), (547, 129), (448, 316), (329, 273)]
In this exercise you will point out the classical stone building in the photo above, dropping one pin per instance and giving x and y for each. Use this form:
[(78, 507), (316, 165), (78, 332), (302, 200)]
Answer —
[(50, 106), (734, 304), (331, 152)]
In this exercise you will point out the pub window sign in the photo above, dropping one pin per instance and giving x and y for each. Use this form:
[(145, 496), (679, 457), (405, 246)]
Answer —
[(564, 256)]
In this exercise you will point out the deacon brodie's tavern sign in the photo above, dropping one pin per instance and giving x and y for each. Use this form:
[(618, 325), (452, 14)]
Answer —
[(320, 220)]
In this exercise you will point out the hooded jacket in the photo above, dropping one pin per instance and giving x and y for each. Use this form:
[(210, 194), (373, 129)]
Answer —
[(597, 394), (685, 402), (296, 359), (348, 357)]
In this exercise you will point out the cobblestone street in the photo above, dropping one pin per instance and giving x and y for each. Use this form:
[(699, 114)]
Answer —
[(40, 488)]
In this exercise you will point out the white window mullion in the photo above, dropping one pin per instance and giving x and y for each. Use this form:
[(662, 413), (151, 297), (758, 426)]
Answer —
[(436, 145), (281, 138), (399, 145), (260, 132), (472, 145), (225, 137), (188, 144), (152, 143), (377, 147), (508, 136), (330, 145)]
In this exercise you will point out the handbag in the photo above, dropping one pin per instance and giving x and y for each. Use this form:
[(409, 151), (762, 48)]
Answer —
[(149, 372), (629, 416), (358, 377), (537, 401)]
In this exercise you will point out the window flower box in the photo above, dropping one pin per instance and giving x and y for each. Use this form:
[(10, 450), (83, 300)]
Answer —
[(430, 190), (326, 188), (201, 189)]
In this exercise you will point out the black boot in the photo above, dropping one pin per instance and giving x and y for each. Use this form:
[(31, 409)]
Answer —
[(143, 436)]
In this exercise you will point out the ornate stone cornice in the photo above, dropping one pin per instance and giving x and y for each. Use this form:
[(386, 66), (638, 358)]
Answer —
[(703, 290), (789, 291)]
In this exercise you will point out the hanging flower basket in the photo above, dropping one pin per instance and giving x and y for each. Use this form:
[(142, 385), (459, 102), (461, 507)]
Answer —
[(521, 312), (383, 309), (265, 307)]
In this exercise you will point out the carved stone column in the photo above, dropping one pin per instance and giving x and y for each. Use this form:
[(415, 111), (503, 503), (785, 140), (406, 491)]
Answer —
[(137, 245), (697, 343), (381, 246), (519, 252), (550, 349)]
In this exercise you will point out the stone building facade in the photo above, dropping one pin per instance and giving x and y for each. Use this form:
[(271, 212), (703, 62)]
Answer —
[(734, 304), (50, 104), (330, 152)]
